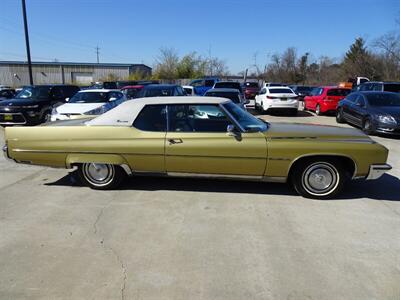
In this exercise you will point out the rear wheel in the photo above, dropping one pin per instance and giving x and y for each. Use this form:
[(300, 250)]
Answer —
[(339, 116), (101, 176), (46, 117), (318, 178)]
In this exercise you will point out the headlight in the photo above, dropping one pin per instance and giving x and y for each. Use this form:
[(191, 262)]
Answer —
[(54, 111), (387, 119), (31, 106), (97, 111)]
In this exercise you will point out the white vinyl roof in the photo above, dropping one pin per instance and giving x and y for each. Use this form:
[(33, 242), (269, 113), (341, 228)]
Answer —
[(126, 113)]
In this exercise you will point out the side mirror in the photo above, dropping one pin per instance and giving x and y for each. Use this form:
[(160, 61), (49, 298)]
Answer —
[(231, 131)]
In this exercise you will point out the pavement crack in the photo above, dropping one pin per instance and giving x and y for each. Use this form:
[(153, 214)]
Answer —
[(123, 268), (112, 250)]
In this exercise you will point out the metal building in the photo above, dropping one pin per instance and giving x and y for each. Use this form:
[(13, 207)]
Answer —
[(15, 73)]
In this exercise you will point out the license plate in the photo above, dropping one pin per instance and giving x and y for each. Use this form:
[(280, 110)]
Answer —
[(283, 99), (8, 117)]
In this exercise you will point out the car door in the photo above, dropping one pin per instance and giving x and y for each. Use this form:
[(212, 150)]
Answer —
[(352, 112), (145, 148), (359, 110), (197, 142)]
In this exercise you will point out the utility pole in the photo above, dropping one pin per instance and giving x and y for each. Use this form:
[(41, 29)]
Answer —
[(97, 53), (28, 50)]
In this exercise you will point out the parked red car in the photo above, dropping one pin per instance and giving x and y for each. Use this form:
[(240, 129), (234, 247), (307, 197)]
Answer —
[(325, 99), (250, 89), (131, 91)]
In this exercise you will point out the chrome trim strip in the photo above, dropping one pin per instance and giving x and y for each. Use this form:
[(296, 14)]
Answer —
[(5, 153), (127, 169), (217, 176), (147, 154), (274, 179), (376, 171)]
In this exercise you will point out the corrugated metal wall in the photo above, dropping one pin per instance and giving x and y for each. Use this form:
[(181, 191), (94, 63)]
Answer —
[(17, 75)]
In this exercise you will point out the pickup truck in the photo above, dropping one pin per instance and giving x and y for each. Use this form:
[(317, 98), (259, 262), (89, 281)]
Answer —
[(201, 86)]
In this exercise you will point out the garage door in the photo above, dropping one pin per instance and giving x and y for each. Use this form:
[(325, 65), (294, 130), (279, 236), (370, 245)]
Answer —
[(82, 77)]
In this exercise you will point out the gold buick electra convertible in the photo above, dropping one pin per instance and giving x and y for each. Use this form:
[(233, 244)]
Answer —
[(199, 137)]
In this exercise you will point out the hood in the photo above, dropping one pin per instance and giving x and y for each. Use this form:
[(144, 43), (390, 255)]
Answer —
[(313, 131), (77, 108), (394, 111), (19, 102)]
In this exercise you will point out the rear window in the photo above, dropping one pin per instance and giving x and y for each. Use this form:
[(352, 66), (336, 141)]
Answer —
[(232, 96), (251, 84), (392, 87), (158, 92), (383, 99), (228, 85), (338, 92), (280, 91)]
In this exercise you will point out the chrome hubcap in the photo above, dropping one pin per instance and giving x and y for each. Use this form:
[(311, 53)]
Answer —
[(98, 174), (320, 179)]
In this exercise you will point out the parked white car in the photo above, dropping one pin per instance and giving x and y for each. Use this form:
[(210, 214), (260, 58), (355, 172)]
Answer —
[(88, 102), (278, 98), (189, 90)]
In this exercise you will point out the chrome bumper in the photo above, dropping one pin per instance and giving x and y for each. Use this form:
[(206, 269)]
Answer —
[(376, 171), (5, 152)]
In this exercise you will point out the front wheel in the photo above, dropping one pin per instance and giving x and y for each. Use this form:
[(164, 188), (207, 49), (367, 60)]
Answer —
[(339, 116), (367, 126), (318, 110), (318, 179), (101, 176)]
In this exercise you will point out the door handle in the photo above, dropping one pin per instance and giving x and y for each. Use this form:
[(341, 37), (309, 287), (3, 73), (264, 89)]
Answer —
[(175, 141)]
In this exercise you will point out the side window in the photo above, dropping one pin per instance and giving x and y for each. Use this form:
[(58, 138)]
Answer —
[(179, 91), (377, 87), (352, 97), (197, 118), (152, 118), (360, 101), (263, 91), (209, 83), (57, 93)]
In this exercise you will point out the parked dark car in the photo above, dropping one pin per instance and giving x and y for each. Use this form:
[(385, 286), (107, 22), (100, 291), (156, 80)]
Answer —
[(161, 90), (374, 112), (232, 94), (33, 104), (301, 90), (132, 91), (7, 94), (379, 86), (251, 89)]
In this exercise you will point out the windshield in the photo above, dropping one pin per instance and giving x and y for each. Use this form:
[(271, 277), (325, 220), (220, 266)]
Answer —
[(37, 92), (156, 92), (232, 96), (246, 120), (89, 97), (303, 89), (280, 91), (383, 99)]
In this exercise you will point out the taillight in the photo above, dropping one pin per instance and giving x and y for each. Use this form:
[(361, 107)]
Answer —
[(270, 97)]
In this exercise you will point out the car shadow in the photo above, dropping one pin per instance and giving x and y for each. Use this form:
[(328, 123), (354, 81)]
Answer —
[(386, 188)]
